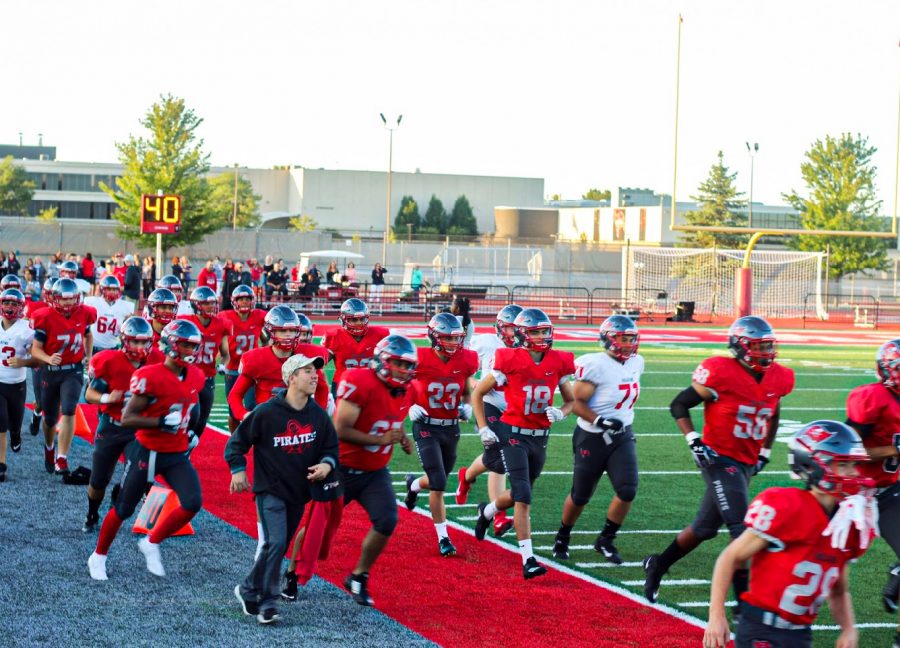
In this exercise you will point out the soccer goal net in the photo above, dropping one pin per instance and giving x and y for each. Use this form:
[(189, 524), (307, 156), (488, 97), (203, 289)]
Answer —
[(785, 284)]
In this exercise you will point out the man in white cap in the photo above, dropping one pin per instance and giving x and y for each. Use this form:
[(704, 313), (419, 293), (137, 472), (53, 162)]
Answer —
[(294, 443)]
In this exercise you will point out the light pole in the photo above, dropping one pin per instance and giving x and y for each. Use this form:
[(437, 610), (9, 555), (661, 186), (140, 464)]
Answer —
[(234, 204), (387, 212), (752, 150)]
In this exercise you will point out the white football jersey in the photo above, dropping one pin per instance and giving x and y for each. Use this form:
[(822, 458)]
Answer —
[(617, 386), (14, 342), (484, 345), (109, 320)]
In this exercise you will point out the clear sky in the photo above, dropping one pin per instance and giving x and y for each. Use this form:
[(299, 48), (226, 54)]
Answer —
[(579, 92)]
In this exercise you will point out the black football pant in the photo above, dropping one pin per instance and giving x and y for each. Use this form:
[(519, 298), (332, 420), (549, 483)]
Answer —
[(142, 465), (725, 500), (12, 406), (523, 458), (492, 458), (110, 442), (597, 453), (60, 391), (436, 447)]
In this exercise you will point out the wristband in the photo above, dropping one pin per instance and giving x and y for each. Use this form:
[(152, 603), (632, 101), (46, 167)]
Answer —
[(104, 398), (162, 422), (765, 452), (691, 436)]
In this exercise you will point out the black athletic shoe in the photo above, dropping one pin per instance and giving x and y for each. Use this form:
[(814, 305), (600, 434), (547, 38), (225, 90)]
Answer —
[(482, 523), (532, 569), (15, 440), (267, 616), (2, 472), (357, 585), (35, 426), (250, 608), (411, 497), (446, 547), (91, 522), (289, 593), (605, 546), (652, 577), (561, 547), (891, 591)]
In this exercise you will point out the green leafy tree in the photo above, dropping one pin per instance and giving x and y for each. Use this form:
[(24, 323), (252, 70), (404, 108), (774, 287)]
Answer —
[(303, 223), (48, 215), (169, 158), (435, 216), (840, 182), (717, 203), (408, 214), (221, 199), (462, 220), (16, 188), (597, 194)]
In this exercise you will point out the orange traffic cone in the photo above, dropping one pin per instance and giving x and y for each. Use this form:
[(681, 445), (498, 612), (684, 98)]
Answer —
[(82, 429), (159, 503)]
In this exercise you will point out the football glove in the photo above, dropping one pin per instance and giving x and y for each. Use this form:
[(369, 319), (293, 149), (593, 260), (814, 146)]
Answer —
[(465, 411), (330, 407), (171, 421), (762, 460), (220, 369), (704, 456), (554, 414), (487, 436), (417, 413), (609, 424), (193, 440)]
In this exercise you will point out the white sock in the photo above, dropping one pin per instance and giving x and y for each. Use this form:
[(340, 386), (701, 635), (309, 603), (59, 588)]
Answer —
[(525, 550), (441, 528), (60, 456), (490, 511), (50, 447), (414, 486)]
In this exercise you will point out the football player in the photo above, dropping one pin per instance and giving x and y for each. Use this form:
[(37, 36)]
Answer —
[(162, 397), (31, 308), (112, 311), (216, 334), (160, 310), (742, 405), (173, 283), (246, 323), (352, 345), (10, 281), (494, 405), (372, 405), (873, 410), (69, 270), (441, 388), (109, 375), (800, 542), (529, 374), (607, 386), (63, 341), (323, 395), (16, 336)]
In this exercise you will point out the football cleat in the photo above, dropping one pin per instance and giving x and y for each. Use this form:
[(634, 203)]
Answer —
[(35, 426), (152, 556), (61, 466), (49, 459), (91, 522), (446, 547), (97, 567), (482, 523), (533, 569), (15, 439), (357, 585), (289, 593), (502, 524), (250, 608), (561, 547), (462, 491), (411, 497), (891, 591), (605, 546), (652, 577), (267, 616)]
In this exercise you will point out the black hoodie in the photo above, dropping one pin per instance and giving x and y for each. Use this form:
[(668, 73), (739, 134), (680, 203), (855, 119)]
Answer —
[(285, 443)]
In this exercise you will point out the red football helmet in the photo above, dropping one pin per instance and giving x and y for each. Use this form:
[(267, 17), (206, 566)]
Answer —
[(204, 302), (817, 447), (355, 317), (161, 305), (752, 341), (446, 333), (243, 299), (65, 296), (110, 288), (534, 330), (505, 327), (887, 363), (619, 336), (181, 341), (137, 338), (394, 360), (282, 326), (12, 304)]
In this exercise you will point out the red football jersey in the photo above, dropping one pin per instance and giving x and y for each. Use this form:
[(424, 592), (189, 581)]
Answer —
[(115, 369), (212, 338), (793, 576), (64, 335), (260, 368), (381, 409), (33, 307), (737, 422), (244, 334), (311, 351), (440, 385), (529, 387), (874, 404), (165, 389), (347, 352)]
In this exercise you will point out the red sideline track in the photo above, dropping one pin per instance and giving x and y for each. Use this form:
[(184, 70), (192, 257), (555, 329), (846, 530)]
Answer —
[(477, 597)]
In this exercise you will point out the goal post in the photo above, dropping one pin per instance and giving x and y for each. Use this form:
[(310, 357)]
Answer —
[(784, 284)]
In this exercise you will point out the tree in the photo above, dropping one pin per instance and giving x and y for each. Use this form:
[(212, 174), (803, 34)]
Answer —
[(171, 158), (840, 179), (408, 214), (717, 203), (597, 194), (16, 188), (435, 216), (221, 199), (303, 223), (462, 220), (48, 215)]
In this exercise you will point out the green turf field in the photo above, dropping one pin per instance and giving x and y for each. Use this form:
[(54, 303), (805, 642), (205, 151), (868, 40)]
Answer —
[(671, 487)]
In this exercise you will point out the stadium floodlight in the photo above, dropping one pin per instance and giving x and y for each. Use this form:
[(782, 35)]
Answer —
[(387, 214)]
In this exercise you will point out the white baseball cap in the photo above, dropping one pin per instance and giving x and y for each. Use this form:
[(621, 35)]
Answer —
[(298, 362)]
